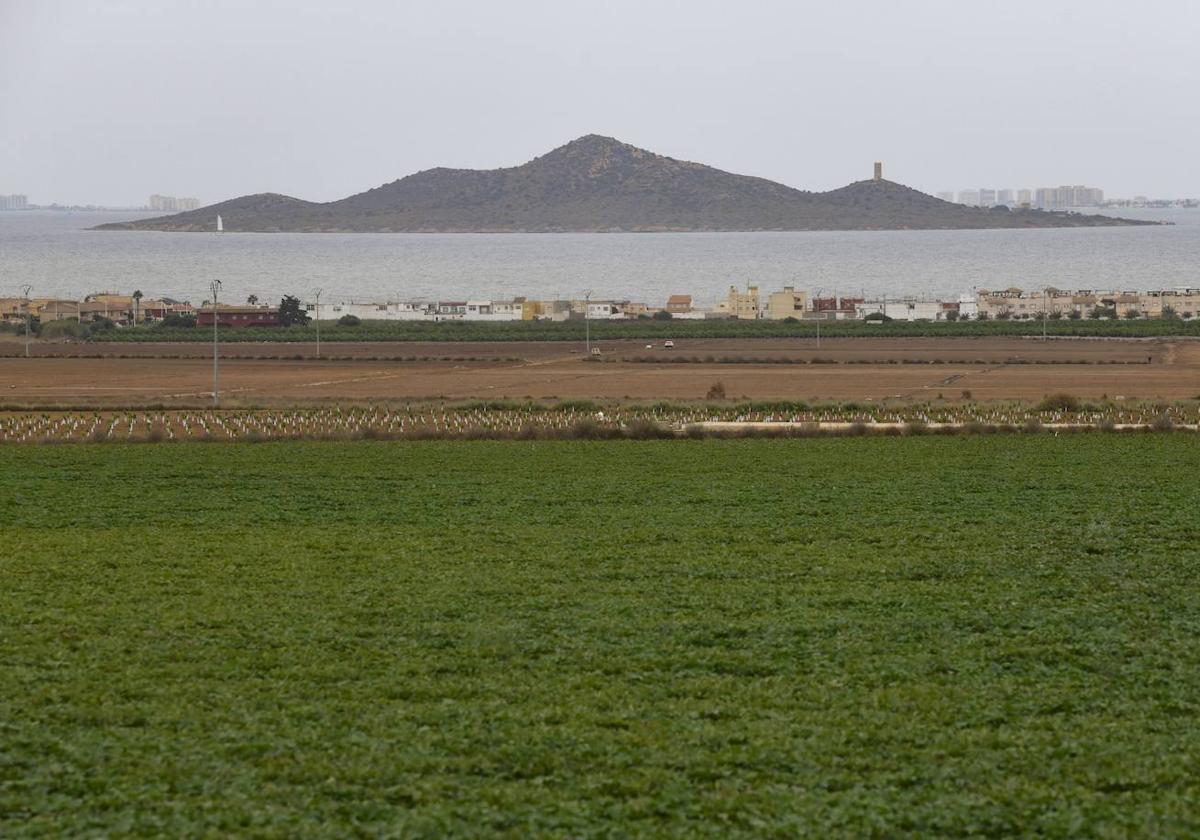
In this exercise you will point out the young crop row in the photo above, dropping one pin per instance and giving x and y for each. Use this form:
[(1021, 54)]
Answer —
[(564, 420)]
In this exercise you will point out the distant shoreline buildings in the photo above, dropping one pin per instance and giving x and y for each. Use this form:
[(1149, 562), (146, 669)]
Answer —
[(16, 201), (1058, 198), (1043, 198), (787, 304)]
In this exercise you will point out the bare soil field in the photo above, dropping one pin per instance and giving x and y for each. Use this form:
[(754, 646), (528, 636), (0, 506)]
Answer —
[(842, 369)]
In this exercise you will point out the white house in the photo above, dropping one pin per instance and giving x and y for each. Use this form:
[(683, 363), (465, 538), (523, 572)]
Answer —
[(487, 310), (908, 309), (968, 308), (598, 310), (332, 310), (410, 311)]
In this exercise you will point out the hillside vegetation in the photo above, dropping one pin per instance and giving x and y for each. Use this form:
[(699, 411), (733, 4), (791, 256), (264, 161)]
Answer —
[(600, 184)]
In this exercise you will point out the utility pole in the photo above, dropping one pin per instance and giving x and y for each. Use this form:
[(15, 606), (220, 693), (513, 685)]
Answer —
[(28, 317), (1044, 295), (318, 319), (215, 286)]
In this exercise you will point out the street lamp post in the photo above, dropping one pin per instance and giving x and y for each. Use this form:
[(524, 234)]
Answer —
[(215, 286), (817, 310), (318, 319), (587, 322), (28, 316), (1045, 294)]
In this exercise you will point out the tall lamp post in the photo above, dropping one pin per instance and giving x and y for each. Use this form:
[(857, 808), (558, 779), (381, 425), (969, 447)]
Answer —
[(318, 320), (587, 322), (817, 310), (1045, 294), (215, 286), (28, 316)]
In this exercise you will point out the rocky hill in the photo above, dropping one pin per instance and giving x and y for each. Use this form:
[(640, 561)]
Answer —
[(600, 184)]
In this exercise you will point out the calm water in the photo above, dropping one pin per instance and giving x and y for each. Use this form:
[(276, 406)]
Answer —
[(56, 254)]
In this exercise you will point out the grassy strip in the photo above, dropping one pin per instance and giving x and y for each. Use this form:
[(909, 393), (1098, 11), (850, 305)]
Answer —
[(660, 330), (936, 637), (586, 420)]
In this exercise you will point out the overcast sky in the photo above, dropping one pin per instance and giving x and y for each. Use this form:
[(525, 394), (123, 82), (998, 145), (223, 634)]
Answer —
[(105, 101)]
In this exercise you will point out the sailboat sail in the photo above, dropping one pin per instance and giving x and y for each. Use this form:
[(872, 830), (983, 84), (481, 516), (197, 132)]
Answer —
[(220, 224)]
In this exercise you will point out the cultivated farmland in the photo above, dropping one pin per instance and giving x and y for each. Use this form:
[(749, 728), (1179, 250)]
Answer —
[(864, 637), (892, 369)]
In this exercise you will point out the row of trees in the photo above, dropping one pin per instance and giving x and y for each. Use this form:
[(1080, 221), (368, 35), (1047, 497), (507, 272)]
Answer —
[(1095, 314)]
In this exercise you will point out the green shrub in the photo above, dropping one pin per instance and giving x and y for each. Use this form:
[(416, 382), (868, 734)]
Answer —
[(1059, 402), (64, 329)]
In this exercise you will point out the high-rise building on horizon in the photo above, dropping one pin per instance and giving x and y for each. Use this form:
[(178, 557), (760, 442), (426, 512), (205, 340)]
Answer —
[(969, 197), (1061, 198), (1045, 198), (172, 204), (16, 201)]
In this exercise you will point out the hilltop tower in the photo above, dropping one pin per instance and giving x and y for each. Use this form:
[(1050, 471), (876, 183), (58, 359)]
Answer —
[(878, 170)]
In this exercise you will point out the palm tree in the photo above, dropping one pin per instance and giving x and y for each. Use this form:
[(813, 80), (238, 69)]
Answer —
[(252, 300), (137, 304)]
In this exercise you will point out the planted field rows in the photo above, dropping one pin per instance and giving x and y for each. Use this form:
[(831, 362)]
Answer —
[(927, 637), (577, 419)]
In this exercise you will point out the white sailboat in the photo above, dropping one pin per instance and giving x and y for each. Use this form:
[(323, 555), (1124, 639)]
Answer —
[(220, 224)]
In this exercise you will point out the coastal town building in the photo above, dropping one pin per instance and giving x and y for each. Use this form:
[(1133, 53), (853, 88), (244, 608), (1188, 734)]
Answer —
[(1015, 303), (787, 303), (905, 309), (836, 308), (679, 304), (12, 310), (602, 310), (739, 305), (238, 316), (999, 304)]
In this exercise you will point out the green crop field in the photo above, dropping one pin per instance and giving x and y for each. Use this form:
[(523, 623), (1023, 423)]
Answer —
[(830, 637), (657, 330)]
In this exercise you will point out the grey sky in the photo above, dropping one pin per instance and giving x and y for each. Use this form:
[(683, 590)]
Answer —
[(106, 101)]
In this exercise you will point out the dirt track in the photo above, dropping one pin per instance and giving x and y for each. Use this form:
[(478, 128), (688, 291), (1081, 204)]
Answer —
[(876, 369)]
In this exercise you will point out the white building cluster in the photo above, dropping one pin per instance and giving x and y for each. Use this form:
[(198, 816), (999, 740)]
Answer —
[(789, 303), (1043, 198)]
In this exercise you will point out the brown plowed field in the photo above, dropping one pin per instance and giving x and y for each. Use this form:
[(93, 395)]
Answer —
[(279, 374)]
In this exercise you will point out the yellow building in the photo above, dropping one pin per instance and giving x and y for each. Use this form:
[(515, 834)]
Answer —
[(786, 304), (55, 309), (742, 305)]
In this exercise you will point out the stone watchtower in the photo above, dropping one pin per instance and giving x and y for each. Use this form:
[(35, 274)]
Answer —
[(878, 170)]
